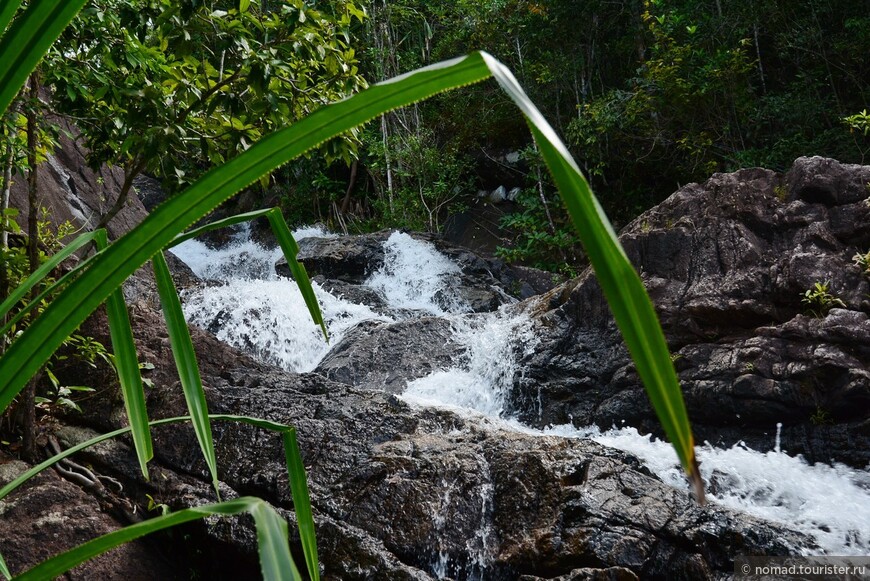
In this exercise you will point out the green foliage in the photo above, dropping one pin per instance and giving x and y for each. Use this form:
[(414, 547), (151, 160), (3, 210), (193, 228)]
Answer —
[(426, 181), (535, 243), (543, 234), (174, 89), (76, 348), (821, 417), (858, 122), (818, 300), (863, 262)]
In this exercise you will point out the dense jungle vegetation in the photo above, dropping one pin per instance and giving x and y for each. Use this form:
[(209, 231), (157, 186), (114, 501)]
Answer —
[(648, 95)]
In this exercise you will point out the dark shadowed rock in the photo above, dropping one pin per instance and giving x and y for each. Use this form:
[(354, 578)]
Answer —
[(726, 264), (50, 515), (819, 180)]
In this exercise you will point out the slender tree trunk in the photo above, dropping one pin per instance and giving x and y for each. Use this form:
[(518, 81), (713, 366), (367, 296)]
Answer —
[(758, 56), (387, 161), (345, 203), (28, 400), (4, 206), (131, 171)]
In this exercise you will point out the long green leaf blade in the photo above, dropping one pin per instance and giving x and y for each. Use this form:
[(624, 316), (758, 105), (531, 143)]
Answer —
[(25, 42), (291, 249), (273, 543), (4, 570), (185, 362), (623, 288), (301, 502), (7, 12), (129, 375), (271, 529), (124, 256)]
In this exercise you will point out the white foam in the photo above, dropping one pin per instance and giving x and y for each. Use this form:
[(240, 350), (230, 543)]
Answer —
[(269, 319), (829, 503), (416, 276), (482, 380)]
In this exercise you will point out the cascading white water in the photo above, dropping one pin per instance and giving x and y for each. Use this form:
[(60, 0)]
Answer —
[(416, 276), (830, 503), (481, 381), (263, 314), (259, 312)]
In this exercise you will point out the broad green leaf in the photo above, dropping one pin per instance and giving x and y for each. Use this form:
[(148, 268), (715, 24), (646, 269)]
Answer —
[(7, 11), (127, 365), (47, 291), (291, 249), (275, 559), (185, 362), (301, 502), (25, 42)]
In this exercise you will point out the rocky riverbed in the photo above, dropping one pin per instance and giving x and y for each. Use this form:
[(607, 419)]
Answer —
[(405, 487)]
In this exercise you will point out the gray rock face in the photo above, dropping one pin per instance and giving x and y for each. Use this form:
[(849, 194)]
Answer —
[(70, 190), (726, 264), (379, 355)]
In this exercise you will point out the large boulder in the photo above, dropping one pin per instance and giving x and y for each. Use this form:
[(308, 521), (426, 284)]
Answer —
[(727, 264), (383, 355)]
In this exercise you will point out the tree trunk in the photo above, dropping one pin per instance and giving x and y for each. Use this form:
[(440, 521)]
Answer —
[(4, 205), (28, 399)]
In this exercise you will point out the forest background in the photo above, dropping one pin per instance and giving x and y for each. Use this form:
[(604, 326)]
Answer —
[(649, 95)]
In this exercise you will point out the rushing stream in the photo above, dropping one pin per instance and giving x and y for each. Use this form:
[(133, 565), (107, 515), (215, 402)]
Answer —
[(257, 311)]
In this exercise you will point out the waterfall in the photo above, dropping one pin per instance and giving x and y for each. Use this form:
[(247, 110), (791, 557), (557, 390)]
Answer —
[(416, 276), (254, 309)]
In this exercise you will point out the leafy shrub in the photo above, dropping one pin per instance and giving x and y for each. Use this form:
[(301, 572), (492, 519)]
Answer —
[(818, 300)]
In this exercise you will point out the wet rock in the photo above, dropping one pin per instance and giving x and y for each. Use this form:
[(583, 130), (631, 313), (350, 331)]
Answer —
[(589, 574), (350, 259), (727, 263), (483, 284), (406, 493), (381, 355), (50, 515)]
